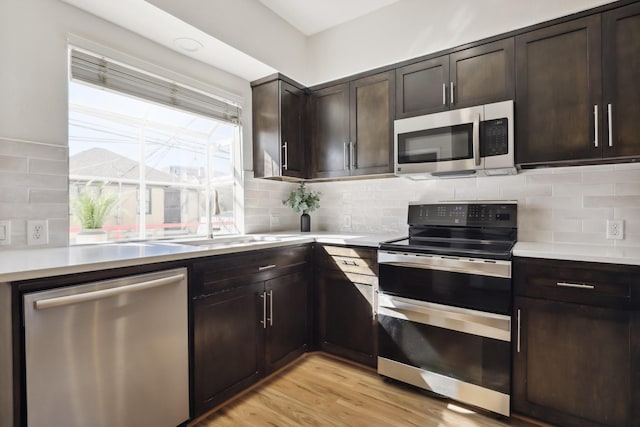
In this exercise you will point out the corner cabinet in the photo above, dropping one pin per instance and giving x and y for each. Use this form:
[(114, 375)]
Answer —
[(278, 124), (577, 342), (346, 289), (479, 75), (250, 317), (578, 90), (352, 127)]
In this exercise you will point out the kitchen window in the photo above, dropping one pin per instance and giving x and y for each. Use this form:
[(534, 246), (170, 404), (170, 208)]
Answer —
[(154, 147)]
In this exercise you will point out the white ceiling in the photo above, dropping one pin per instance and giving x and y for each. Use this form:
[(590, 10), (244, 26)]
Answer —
[(313, 16)]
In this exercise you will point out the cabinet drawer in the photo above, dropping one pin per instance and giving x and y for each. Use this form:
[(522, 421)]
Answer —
[(227, 271), (359, 261), (609, 285)]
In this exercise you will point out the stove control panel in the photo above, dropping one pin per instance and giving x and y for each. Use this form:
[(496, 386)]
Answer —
[(465, 214)]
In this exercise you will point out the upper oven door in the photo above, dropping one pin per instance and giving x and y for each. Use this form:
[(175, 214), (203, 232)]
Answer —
[(440, 142)]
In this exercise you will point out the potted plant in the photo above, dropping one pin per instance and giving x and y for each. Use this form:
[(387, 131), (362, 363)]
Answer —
[(305, 201), (91, 207)]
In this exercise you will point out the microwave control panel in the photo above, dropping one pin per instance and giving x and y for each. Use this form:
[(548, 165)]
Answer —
[(494, 137)]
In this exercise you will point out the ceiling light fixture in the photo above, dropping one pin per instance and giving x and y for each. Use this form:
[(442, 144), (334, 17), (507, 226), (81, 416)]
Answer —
[(187, 44)]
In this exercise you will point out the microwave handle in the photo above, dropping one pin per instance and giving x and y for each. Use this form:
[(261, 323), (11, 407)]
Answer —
[(476, 139)]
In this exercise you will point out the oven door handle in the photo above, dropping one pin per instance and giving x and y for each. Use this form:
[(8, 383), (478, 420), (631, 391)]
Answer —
[(474, 322), (481, 267)]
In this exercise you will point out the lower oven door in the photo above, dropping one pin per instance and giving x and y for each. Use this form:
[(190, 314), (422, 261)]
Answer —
[(459, 353)]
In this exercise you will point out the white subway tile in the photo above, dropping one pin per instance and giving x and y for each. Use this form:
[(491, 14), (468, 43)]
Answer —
[(13, 164), (615, 176), (612, 201), (583, 238), (627, 189), (555, 178), (583, 189)]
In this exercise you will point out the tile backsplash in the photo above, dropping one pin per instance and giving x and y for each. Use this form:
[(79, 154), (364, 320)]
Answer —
[(34, 186), (562, 205)]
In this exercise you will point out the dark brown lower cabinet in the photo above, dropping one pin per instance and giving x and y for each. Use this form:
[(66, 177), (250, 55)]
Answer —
[(288, 324), (248, 324), (576, 350), (346, 321), (228, 344)]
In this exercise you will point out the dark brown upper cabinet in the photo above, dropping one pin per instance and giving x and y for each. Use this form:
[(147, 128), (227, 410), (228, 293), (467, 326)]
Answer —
[(330, 131), (558, 91), (278, 138), (578, 90), (621, 78), (474, 76), (352, 127)]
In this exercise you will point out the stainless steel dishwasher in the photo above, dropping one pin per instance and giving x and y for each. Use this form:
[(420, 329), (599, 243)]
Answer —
[(109, 353)]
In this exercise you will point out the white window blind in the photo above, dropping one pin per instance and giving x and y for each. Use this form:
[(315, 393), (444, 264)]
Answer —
[(102, 72)]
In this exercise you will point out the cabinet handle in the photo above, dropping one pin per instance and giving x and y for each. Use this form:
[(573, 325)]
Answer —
[(575, 285), (344, 156), (352, 157), (518, 338), (444, 94), (263, 295), (285, 164), (266, 267), (452, 96), (476, 140), (271, 307), (595, 126), (610, 123)]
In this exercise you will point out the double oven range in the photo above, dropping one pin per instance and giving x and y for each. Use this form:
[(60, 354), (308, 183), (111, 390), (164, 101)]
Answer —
[(444, 302)]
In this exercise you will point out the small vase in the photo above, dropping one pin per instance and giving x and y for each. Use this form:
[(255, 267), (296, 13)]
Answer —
[(305, 223)]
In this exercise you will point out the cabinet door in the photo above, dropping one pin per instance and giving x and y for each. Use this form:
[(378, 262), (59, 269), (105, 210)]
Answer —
[(575, 365), (292, 102), (558, 85), (330, 131), (483, 74), (266, 130), (345, 314), (371, 123), (621, 54), (288, 327), (228, 344), (422, 87)]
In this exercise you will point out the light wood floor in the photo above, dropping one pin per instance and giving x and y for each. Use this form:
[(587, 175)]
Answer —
[(319, 390)]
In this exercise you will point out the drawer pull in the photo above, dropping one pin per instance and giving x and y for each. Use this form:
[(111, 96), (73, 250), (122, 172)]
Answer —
[(345, 262), (575, 285), (266, 267)]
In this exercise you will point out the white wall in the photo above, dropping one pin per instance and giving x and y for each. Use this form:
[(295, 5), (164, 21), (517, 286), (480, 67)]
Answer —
[(248, 26), (33, 103), (412, 28)]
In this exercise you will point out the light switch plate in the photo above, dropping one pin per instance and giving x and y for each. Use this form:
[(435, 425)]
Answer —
[(5, 232)]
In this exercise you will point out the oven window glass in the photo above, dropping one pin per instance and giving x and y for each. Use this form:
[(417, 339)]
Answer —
[(465, 357), (436, 145)]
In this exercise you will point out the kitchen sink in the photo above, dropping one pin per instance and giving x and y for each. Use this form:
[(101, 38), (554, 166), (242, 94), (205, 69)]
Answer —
[(236, 241)]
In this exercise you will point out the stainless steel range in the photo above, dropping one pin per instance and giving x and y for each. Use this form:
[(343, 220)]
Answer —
[(444, 307)]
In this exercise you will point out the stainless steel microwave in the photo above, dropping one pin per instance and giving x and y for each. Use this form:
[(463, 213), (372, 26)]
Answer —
[(474, 141)]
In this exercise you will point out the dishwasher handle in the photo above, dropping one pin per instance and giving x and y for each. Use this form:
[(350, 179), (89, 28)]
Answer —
[(106, 293)]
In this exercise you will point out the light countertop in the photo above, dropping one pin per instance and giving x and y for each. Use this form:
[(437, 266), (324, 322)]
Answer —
[(587, 253), (28, 264)]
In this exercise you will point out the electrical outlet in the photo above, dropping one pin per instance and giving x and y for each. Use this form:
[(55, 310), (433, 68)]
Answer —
[(615, 229), (346, 222), (5, 232), (37, 232)]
